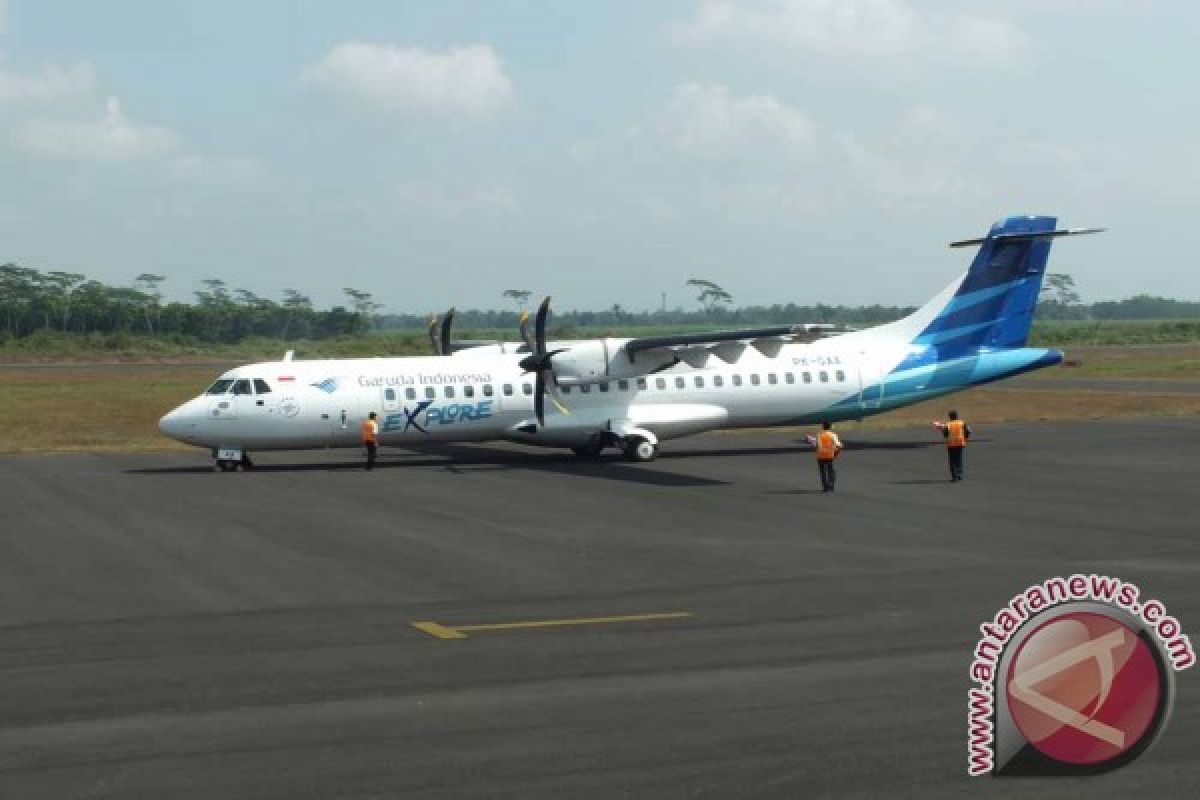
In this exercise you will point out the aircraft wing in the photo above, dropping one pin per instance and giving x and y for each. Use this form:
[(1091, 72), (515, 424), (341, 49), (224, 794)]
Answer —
[(694, 348)]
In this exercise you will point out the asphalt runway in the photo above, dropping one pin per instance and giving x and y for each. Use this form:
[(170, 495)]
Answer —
[(168, 631)]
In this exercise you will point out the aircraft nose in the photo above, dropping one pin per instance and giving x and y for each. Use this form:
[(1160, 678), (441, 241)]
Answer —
[(174, 423)]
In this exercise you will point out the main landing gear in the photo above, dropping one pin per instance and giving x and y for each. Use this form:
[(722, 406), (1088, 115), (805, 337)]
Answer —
[(636, 448), (639, 449)]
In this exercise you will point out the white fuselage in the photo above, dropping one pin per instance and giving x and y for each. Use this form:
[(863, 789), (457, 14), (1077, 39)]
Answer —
[(479, 396)]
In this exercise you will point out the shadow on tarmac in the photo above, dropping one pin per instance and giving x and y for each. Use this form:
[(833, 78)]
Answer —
[(463, 460)]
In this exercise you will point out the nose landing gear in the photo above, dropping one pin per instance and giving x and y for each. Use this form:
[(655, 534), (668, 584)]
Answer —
[(229, 460)]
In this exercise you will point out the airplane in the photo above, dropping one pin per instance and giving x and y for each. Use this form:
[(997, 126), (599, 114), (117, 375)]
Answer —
[(634, 393)]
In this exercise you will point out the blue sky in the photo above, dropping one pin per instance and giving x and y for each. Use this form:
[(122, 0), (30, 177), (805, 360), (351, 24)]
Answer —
[(439, 153)]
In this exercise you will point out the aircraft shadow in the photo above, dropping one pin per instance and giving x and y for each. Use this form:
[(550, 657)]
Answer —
[(461, 460), (921, 482)]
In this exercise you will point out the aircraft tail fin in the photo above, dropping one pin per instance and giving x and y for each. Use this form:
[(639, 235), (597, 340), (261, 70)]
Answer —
[(992, 305)]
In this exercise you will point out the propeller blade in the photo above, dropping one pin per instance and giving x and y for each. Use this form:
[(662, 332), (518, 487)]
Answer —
[(539, 398), (447, 321), (524, 325), (539, 326), (433, 337)]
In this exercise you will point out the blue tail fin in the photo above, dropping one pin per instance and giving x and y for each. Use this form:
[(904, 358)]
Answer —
[(993, 306)]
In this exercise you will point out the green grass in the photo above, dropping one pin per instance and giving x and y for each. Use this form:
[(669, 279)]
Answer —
[(1057, 333), (47, 346)]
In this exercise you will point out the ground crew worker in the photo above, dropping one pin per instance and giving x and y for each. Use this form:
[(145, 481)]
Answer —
[(828, 447), (956, 433), (370, 438)]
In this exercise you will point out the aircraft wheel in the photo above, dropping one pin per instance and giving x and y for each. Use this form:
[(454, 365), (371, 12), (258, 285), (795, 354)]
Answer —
[(247, 464), (227, 466), (639, 449)]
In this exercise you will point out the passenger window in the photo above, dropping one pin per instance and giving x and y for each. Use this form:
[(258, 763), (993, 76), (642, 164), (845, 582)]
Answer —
[(680, 382), (623, 385), (699, 381), (824, 376), (808, 377), (585, 388), (565, 389), (789, 377), (430, 393), (242, 387), (737, 380), (604, 387), (661, 383), (772, 378), (449, 392), (389, 395), (641, 383), (841, 376), (410, 393), (508, 390), (526, 389), (261, 386), (468, 391), (718, 381), (487, 390), (754, 379)]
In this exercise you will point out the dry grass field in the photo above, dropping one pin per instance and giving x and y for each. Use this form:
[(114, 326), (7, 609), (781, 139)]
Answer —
[(115, 407)]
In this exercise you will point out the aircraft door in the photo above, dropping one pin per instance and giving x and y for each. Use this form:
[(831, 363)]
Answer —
[(232, 404), (870, 389)]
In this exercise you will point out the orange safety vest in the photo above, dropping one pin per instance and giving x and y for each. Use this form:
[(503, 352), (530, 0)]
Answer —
[(826, 447), (958, 433), (370, 431)]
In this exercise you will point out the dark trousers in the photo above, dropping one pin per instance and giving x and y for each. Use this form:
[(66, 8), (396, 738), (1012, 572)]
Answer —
[(371, 449), (828, 474), (955, 455)]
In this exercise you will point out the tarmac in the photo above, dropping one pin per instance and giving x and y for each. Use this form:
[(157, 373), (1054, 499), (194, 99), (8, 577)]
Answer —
[(713, 625)]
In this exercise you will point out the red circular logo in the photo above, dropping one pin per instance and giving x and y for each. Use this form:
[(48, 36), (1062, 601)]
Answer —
[(1084, 688)]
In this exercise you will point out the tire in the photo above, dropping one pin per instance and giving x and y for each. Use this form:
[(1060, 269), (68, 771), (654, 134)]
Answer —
[(227, 466), (640, 450)]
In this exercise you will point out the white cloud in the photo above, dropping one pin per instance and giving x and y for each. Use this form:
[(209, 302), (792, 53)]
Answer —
[(860, 28), (462, 81), (110, 139), (712, 122), (50, 84)]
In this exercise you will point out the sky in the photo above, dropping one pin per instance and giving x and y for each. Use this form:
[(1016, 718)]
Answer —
[(436, 154)]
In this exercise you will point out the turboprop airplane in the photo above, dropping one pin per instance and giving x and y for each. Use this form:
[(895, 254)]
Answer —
[(633, 394)]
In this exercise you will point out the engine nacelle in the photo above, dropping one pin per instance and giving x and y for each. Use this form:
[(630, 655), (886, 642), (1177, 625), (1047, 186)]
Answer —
[(599, 360)]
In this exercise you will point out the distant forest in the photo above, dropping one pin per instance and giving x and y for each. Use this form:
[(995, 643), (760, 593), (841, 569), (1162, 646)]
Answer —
[(32, 301)]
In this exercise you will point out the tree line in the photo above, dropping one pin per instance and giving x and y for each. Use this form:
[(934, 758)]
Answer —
[(68, 302), (32, 300)]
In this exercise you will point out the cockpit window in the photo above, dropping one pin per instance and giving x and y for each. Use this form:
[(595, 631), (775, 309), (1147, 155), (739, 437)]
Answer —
[(242, 386), (261, 386), (220, 387)]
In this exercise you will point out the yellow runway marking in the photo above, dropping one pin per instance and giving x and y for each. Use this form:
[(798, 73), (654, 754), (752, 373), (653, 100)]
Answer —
[(460, 631)]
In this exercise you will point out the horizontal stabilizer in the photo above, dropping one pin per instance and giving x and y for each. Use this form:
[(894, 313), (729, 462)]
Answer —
[(1020, 236)]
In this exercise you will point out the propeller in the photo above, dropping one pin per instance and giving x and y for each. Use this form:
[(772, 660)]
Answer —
[(539, 362), (433, 335), (439, 336), (447, 322), (524, 325)]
